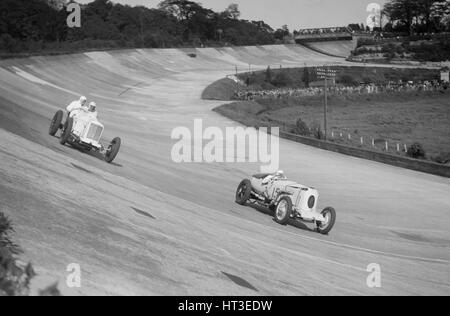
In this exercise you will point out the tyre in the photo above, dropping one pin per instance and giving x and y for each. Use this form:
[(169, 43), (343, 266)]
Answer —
[(113, 150), (67, 130), (330, 218), (243, 192), (283, 210), (56, 123)]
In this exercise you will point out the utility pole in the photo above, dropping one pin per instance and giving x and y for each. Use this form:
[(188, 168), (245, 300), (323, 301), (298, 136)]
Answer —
[(327, 74), (325, 124)]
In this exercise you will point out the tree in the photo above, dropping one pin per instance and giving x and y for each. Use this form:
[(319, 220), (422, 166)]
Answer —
[(183, 10), (232, 12), (402, 11), (354, 27), (420, 15), (306, 77), (440, 15), (416, 151), (281, 33), (268, 75)]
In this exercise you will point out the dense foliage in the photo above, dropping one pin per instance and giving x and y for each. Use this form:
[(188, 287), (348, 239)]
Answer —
[(14, 278), (33, 25), (417, 16)]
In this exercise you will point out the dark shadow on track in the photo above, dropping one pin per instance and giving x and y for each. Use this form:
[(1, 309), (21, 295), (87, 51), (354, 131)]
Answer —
[(294, 223)]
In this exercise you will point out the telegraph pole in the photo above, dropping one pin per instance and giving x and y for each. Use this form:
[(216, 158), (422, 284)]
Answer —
[(326, 74), (325, 123)]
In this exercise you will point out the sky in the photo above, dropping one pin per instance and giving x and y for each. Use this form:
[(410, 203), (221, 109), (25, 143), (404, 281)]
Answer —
[(296, 14)]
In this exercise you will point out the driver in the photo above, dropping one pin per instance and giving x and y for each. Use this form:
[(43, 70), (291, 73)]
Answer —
[(75, 105), (92, 109), (268, 181), (279, 175)]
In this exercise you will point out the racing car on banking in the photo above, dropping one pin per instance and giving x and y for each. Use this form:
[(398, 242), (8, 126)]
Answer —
[(287, 199), (83, 131)]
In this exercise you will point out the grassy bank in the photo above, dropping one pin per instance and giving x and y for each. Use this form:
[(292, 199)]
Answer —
[(399, 119), (269, 79)]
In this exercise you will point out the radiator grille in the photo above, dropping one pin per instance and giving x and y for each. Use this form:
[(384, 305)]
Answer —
[(94, 133)]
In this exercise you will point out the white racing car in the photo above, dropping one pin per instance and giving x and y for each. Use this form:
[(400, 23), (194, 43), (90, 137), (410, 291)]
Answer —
[(288, 200), (83, 131)]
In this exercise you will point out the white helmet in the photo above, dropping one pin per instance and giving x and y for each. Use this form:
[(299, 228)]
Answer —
[(92, 107), (280, 174), (83, 100)]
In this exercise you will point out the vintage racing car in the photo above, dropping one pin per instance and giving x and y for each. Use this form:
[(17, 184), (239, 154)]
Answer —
[(83, 131), (287, 199)]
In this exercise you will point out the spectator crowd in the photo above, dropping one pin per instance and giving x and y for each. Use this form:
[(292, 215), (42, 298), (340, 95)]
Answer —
[(339, 90)]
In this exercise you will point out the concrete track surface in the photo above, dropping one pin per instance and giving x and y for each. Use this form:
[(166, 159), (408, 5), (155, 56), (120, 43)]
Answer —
[(146, 225), (334, 48)]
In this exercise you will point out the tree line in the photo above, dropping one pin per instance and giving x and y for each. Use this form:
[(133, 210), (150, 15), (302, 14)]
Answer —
[(417, 16), (36, 24)]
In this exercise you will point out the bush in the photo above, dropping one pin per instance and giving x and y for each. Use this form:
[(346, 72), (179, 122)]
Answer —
[(347, 80), (8, 43), (416, 151), (301, 128), (15, 278), (316, 130), (282, 79), (442, 158)]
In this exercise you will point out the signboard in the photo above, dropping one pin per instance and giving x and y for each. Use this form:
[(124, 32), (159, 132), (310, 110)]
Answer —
[(445, 76)]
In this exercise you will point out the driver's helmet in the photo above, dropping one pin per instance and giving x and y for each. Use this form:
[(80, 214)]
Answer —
[(83, 101), (92, 107), (280, 174)]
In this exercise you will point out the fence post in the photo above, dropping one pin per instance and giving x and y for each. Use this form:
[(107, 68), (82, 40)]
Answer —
[(373, 142), (362, 141), (387, 146)]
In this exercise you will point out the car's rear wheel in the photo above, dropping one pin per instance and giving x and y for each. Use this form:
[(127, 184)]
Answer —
[(113, 150), (67, 130), (56, 123), (325, 227), (283, 210), (243, 192)]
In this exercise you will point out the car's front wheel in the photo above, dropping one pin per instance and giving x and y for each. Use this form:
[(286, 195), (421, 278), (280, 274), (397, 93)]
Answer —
[(326, 226), (243, 192), (283, 210), (67, 130), (56, 123), (113, 150)]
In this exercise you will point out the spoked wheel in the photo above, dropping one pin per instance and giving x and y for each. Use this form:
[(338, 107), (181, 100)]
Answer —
[(113, 150), (283, 210), (56, 123), (330, 218), (243, 192)]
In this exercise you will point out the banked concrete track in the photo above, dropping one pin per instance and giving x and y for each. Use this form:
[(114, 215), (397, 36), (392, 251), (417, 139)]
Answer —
[(146, 225), (333, 48)]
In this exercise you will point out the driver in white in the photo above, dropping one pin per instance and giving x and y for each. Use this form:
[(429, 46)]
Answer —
[(92, 109), (75, 105), (279, 175), (263, 185)]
